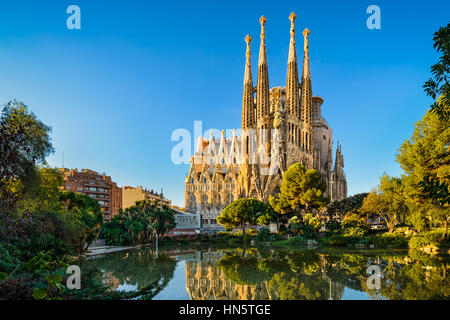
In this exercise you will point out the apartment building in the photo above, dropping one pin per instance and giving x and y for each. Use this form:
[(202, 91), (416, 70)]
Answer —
[(98, 186), (131, 194)]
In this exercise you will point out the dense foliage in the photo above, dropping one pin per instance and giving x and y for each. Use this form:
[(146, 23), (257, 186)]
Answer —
[(323, 275), (301, 188), (42, 227), (244, 212), (350, 205), (24, 143), (138, 224)]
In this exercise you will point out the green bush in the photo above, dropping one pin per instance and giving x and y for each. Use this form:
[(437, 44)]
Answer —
[(263, 235), (275, 237), (307, 228), (389, 240), (385, 240), (335, 240), (114, 234), (6, 260), (354, 226), (333, 226), (297, 241), (248, 232), (62, 232), (430, 238)]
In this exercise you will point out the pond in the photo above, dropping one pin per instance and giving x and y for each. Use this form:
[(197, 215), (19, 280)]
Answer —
[(275, 273)]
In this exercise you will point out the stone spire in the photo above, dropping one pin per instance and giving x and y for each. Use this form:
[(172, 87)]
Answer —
[(292, 82), (262, 91), (248, 113), (248, 61), (262, 48), (340, 183), (306, 100), (338, 159)]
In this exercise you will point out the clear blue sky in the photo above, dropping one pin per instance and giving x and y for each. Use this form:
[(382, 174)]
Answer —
[(114, 91)]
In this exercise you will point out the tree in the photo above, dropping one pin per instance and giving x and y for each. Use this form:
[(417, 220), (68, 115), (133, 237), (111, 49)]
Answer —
[(282, 209), (438, 88), (242, 270), (355, 226), (427, 154), (267, 215), (139, 224), (387, 201), (393, 191), (300, 189), (347, 206), (42, 191), (242, 212), (161, 217), (308, 227), (24, 143), (88, 215)]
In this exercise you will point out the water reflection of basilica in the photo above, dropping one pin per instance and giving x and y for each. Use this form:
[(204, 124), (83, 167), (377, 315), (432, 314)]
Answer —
[(277, 274), (205, 280)]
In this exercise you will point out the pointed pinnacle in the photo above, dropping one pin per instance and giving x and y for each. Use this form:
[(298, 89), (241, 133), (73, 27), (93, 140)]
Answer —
[(262, 20), (292, 17), (248, 39), (306, 33)]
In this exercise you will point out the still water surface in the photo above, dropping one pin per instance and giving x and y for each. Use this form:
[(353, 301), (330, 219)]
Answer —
[(263, 274)]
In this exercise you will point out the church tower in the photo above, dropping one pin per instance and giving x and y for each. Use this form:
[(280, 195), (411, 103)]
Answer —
[(292, 89), (262, 91), (292, 81), (306, 107), (248, 145), (248, 112), (263, 100)]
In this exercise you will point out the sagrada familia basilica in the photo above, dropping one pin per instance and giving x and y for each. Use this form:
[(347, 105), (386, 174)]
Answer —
[(280, 126)]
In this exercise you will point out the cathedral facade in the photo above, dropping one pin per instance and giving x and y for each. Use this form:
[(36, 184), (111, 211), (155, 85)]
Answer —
[(280, 126)]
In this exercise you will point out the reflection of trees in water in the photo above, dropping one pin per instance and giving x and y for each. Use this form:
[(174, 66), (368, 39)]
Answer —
[(284, 274), (261, 275), (420, 276), (149, 272)]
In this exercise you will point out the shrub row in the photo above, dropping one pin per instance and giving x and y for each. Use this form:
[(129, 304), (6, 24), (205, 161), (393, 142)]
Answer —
[(385, 240), (432, 238)]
